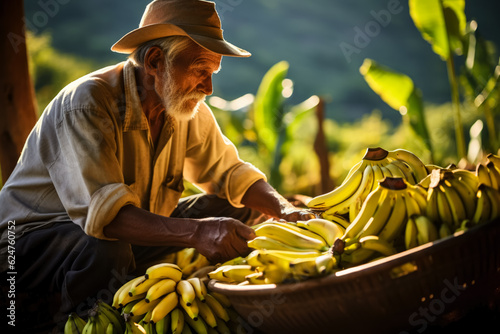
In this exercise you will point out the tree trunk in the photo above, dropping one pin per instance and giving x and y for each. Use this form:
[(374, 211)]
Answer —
[(17, 102)]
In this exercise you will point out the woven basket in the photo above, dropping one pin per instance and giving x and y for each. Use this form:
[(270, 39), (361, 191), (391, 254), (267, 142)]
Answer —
[(433, 284)]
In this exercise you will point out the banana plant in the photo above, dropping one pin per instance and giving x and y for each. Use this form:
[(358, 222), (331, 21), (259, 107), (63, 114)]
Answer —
[(479, 79), (442, 23), (274, 119), (400, 93)]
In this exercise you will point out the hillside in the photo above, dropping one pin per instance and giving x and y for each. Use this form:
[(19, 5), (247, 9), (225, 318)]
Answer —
[(325, 42)]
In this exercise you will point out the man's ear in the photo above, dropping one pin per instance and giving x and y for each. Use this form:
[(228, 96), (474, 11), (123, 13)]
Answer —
[(154, 61)]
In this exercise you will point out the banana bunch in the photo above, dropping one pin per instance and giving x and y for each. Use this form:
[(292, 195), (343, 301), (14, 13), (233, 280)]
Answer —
[(363, 178), (284, 251), (420, 230), (381, 220), (451, 198), (102, 319), (162, 301), (74, 325), (487, 201), (190, 261), (488, 173)]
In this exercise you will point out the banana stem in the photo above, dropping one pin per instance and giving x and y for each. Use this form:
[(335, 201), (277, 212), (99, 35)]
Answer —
[(490, 123), (455, 99)]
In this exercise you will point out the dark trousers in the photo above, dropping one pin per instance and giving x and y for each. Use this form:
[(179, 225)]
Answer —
[(64, 265)]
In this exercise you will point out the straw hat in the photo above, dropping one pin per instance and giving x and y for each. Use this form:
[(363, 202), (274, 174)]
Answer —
[(196, 19)]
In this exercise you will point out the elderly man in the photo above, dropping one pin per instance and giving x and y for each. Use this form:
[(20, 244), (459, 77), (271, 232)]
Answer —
[(97, 189)]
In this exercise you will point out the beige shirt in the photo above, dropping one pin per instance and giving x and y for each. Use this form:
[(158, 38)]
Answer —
[(91, 153)]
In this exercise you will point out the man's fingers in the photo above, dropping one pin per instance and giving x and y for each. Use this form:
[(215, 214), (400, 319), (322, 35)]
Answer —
[(245, 232)]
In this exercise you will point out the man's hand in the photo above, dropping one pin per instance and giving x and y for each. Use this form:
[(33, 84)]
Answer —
[(264, 198), (222, 239)]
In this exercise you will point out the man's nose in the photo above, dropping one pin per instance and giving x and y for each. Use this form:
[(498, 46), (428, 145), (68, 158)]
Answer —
[(205, 86)]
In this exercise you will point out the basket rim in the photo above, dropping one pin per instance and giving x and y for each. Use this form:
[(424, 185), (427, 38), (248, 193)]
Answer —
[(349, 274)]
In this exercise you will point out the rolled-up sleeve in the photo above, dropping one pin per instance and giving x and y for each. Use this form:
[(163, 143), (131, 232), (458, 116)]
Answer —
[(213, 164), (104, 206)]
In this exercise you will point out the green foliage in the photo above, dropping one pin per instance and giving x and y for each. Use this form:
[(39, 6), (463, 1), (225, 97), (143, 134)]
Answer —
[(399, 92), (50, 69)]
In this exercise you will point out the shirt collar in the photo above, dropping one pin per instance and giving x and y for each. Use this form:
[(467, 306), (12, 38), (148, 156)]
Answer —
[(134, 117)]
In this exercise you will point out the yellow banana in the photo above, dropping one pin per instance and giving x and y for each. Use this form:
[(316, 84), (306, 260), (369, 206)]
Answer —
[(327, 229), (340, 193), (494, 175), (417, 166), (468, 177), (216, 306), (290, 237), (186, 291), (405, 170), (395, 171), (143, 286), (445, 215), (426, 230), (495, 159), (336, 219), (185, 256), (176, 321), (207, 314), (160, 289), (198, 263), (374, 243), (483, 207), (378, 175), (270, 274), (367, 211), (411, 233), (199, 287), (192, 310), (431, 210), (482, 174), (412, 207), (265, 242), (396, 223), (197, 324), (164, 270), (467, 195), (123, 291), (359, 256), (294, 227), (343, 206), (129, 299), (143, 307), (165, 306), (381, 215), (457, 207), (494, 196)]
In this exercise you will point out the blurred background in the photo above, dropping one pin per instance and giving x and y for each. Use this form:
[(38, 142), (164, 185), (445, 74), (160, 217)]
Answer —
[(323, 42)]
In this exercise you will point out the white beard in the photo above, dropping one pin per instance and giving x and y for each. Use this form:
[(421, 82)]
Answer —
[(181, 107)]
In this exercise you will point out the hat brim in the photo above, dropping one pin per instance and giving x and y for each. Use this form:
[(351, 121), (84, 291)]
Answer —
[(128, 43)]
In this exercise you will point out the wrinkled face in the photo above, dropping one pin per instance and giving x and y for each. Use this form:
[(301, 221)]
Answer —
[(188, 81)]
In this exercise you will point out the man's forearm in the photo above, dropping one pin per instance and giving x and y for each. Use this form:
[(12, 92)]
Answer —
[(140, 227)]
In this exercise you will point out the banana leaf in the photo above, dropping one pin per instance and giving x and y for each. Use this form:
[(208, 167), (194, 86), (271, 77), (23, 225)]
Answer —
[(441, 22), (399, 92), (268, 106)]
